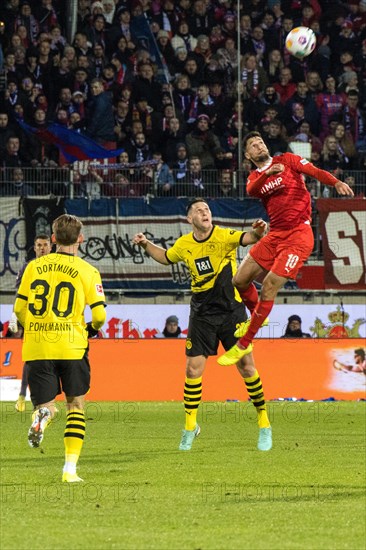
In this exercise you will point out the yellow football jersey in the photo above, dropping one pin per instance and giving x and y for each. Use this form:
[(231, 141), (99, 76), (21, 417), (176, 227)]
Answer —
[(212, 264), (50, 305)]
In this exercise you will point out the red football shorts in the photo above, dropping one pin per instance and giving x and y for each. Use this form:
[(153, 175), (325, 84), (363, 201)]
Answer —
[(284, 252)]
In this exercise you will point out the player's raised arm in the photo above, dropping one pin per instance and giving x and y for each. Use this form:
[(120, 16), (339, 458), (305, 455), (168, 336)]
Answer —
[(326, 178), (155, 251), (253, 236)]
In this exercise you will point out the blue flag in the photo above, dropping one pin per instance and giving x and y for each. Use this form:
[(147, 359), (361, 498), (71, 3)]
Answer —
[(74, 146)]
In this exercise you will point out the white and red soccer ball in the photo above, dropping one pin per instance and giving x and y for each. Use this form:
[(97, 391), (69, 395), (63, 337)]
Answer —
[(300, 42)]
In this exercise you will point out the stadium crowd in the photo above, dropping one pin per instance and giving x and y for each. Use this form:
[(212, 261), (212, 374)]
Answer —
[(159, 79)]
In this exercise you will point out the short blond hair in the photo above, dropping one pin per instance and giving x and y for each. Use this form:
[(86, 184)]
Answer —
[(67, 229)]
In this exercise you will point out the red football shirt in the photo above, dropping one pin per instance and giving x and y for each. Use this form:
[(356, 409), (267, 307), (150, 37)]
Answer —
[(284, 196)]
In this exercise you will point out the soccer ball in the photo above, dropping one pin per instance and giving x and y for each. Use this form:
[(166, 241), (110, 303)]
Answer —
[(300, 42)]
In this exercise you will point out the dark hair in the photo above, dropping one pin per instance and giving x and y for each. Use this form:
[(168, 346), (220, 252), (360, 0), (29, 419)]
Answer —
[(193, 201), (249, 136), (360, 352), (43, 236)]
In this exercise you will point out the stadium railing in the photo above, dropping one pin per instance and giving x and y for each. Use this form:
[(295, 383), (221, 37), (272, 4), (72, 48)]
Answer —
[(93, 181)]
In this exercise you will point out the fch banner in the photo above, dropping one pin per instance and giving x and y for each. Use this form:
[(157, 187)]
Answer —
[(343, 230)]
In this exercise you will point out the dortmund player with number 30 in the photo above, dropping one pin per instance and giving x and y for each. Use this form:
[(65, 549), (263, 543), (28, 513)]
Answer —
[(50, 306), (209, 252)]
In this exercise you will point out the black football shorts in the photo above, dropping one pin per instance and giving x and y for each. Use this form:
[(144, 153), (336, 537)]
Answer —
[(48, 378), (206, 331)]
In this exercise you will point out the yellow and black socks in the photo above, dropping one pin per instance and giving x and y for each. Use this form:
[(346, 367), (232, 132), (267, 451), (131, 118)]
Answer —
[(255, 391), (73, 439), (192, 399)]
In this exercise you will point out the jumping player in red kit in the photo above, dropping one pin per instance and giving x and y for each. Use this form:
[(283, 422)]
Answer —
[(279, 183)]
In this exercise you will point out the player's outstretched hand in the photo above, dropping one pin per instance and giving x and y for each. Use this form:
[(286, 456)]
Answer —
[(275, 169), (139, 239), (260, 226), (343, 189)]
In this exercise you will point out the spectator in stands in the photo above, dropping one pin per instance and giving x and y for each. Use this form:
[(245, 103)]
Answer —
[(145, 85), (329, 103), (138, 149), (163, 176), (172, 136), (16, 186), (123, 120), (166, 49), (345, 41), (276, 143), (10, 69), (97, 32), (202, 104), (171, 329), (61, 76), (314, 83), (98, 60), (6, 130), (183, 95), (293, 328), (70, 54), (268, 98), (81, 44), (201, 19), (230, 142), (285, 87), (253, 77), (183, 38), (296, 118), (179, 60), (180, 165), (353, 119), (41, 152), (196, 182), (81, 82), (100, 119), (46, 15), (345, 142), (123, 70), (15, 156), (225, 188), (121, 29), (109, 8), (303, 134), (332, 158), (348, 81), (45, 58), (273, 63), (83, 15), (202, 52), (202, 142), (193, 72), (245, 33), (303, 96), (258, 44), (167, 17), (27, 19), (65, 101), (32, 68)]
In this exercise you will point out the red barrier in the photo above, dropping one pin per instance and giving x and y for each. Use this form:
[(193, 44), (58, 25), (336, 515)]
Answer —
[(154, 370)]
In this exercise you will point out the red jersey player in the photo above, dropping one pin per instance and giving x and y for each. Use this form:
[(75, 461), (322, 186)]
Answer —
[(279, 183)]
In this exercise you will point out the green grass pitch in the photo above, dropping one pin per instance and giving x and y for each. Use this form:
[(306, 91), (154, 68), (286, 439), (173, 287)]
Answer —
[(140, 492)]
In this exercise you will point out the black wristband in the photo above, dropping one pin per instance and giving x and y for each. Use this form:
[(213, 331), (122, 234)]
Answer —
[(92, 332)]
